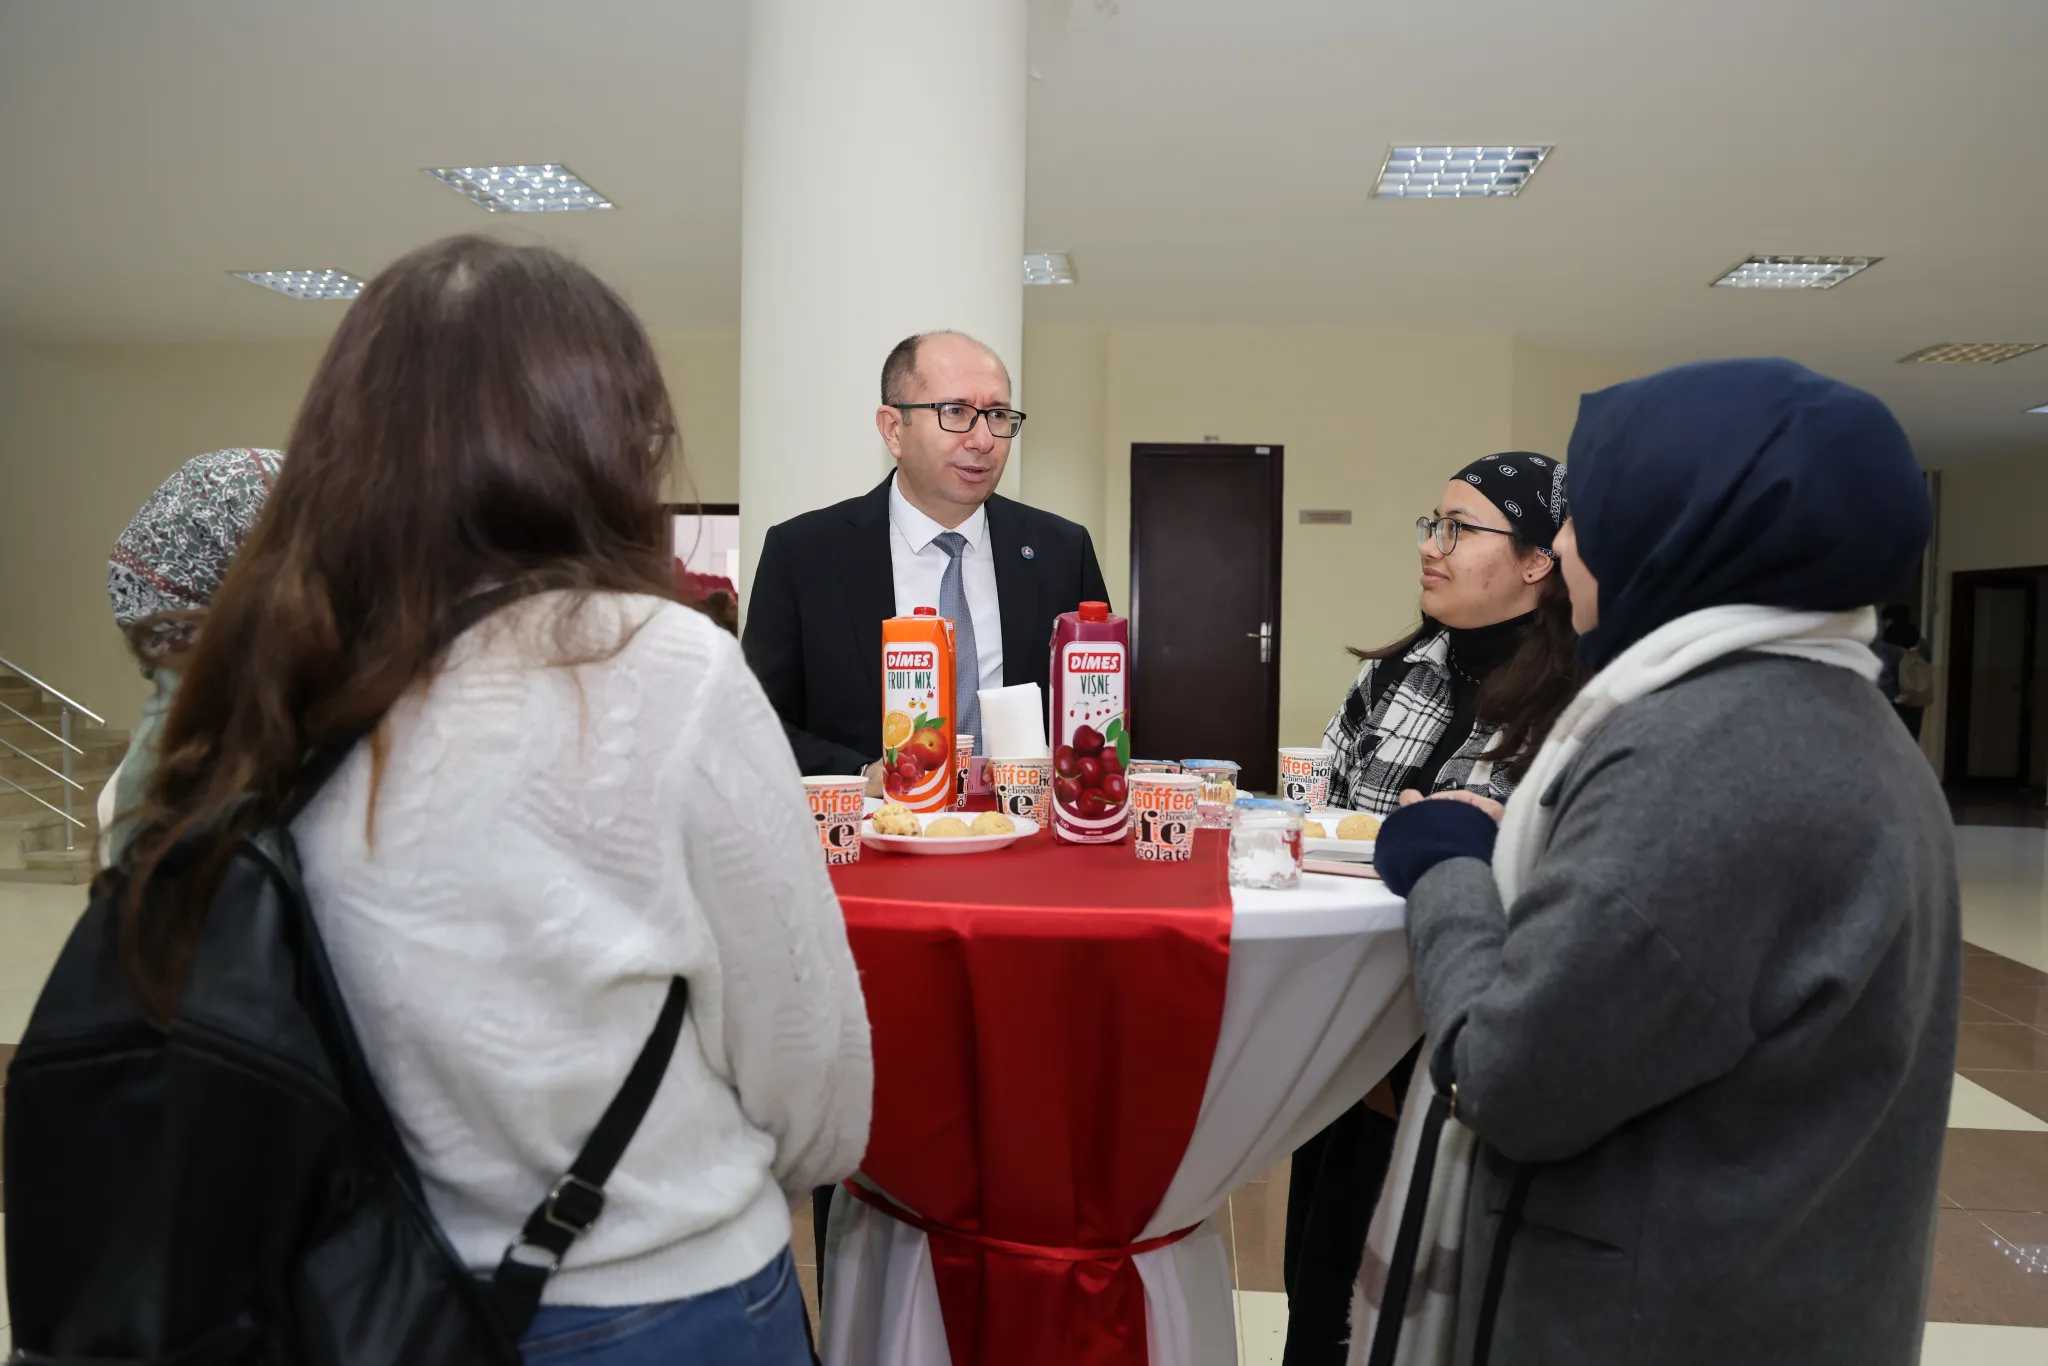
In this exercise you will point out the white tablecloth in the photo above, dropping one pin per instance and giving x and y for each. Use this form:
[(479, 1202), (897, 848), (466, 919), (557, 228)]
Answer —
[(1318, 1007)]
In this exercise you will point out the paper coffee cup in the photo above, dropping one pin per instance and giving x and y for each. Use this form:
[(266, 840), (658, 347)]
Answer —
[(1305, 776), (963, 768), (1163, 815), (1023, 786), (836, 803)]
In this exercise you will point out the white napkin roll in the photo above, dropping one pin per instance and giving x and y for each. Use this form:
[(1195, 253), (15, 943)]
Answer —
[(1013, 722)]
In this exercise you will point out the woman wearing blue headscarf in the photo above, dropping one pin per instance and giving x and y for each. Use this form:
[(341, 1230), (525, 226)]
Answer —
[(1694, 1028)]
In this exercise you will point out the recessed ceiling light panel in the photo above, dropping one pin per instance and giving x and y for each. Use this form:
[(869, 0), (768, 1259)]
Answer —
[(550, 188), (1457, 172), (1795, 272), (2042, 409), (305, 284), (1048, 268), (1969, 353)]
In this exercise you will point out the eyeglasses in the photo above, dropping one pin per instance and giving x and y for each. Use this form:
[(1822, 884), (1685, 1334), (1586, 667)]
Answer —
[(1445, 531), (960, 418)]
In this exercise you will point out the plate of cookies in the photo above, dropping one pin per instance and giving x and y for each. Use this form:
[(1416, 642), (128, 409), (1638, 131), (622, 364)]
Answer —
[(1339, 834), (899, 830)]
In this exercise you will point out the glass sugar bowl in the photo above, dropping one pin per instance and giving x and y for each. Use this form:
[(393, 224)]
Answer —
[(1265, 844), (1219, 791)]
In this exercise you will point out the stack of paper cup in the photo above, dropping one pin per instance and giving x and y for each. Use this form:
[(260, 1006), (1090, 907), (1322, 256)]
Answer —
[(963, 763), (1013, 722)]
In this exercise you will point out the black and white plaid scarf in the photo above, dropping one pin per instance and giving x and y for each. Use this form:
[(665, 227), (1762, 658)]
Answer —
[(1381, 747)]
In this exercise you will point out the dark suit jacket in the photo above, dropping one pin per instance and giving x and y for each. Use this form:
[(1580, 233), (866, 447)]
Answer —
[(826, 582)]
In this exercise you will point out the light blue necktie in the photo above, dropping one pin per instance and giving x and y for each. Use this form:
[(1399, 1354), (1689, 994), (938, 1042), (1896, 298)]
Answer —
[(967, 666)]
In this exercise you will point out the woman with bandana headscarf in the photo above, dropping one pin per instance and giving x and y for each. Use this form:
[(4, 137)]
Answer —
[(1460, 703), (161, 576), (1692, 1007)]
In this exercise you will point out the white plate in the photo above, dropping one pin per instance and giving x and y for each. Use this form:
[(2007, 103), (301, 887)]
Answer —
[(972, 844), (1351, 851)]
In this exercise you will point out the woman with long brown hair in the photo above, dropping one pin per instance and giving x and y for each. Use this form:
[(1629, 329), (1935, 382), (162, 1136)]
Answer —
[(550, 815), (1459, 704)]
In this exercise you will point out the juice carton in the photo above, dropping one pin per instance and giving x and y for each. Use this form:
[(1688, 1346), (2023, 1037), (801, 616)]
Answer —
[(917, 710), (1091, 749)]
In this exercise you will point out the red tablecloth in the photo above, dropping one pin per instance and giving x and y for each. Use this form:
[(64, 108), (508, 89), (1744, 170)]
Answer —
[(1044, 1019)]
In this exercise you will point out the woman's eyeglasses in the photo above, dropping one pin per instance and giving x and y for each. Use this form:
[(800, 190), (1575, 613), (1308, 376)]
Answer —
[(1446, 532)]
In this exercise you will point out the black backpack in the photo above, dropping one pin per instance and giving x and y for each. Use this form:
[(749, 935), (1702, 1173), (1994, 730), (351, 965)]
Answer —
[(234, 1189)]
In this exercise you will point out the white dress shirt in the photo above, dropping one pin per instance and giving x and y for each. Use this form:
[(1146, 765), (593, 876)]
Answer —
[(919, 566)]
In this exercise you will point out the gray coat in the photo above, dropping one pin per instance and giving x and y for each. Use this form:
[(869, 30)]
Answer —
[(1720, 1024)]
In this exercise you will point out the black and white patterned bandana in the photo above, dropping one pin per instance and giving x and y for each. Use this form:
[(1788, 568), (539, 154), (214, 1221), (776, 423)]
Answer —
[(1529, 490), (177, 549)]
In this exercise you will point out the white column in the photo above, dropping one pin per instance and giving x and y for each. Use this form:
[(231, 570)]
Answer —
[(883, 166)]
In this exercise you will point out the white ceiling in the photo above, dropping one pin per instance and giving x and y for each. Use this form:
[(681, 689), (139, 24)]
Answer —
[(1206, 162)]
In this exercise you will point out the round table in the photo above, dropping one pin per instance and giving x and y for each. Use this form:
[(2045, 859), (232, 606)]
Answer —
[(1317, 1008)]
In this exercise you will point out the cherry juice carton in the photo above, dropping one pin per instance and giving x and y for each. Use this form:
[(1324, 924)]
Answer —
[(917, 710), (1091, 682)]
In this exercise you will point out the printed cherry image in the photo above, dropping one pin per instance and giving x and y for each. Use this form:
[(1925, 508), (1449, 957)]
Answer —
[(1089, 773)]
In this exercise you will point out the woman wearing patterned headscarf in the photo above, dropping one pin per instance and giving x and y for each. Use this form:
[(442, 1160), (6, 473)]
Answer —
[(161, 576), (1459, 704)]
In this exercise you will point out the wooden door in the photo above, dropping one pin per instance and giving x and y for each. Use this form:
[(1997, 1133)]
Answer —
[(1991, 680), (1205, 605)]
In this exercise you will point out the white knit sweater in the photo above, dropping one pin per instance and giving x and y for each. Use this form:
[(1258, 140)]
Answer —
[(551, 844)]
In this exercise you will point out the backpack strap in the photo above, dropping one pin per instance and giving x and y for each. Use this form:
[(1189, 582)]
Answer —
[(578, 1198)]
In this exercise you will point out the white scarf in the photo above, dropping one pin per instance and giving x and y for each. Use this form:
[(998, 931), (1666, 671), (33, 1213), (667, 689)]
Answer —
[(1658, 660)]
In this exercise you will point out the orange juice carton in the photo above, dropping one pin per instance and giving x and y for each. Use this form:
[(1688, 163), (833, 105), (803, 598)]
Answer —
[(918, 734)]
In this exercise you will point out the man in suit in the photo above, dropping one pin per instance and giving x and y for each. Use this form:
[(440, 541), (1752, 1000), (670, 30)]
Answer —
[(933, 534)]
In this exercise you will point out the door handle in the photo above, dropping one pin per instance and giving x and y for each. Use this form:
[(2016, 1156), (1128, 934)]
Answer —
[(1264, 635)]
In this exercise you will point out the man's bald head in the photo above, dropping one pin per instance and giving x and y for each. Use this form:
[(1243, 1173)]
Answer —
[(900, 372)]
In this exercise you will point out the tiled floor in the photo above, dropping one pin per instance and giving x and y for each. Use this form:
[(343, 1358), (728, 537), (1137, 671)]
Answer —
[(1988, 1305)]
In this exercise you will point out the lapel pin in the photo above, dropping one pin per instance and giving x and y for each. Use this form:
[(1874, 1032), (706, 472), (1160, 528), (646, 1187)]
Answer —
[(1029, 552)]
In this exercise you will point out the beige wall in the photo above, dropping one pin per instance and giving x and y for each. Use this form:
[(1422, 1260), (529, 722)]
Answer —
[(1548, 381), (1060, 456), (88, 432), (1372, 422)]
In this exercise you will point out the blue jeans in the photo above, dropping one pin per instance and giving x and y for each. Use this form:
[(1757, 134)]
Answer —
[(758, 1322)]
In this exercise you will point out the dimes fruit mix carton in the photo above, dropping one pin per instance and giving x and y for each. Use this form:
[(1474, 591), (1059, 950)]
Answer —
[(1091, 681), (917, 710)]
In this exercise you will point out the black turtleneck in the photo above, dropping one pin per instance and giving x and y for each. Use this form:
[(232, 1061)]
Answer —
[(1475, 653)]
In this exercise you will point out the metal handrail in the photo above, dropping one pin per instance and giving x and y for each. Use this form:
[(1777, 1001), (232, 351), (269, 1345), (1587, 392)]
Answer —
[(64, 778), (79, 707), (53, 810), (22, 716)]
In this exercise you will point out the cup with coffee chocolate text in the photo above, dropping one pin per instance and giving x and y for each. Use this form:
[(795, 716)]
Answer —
[(1305, 777), (1022, 787), (1164, 813), (836, 805)]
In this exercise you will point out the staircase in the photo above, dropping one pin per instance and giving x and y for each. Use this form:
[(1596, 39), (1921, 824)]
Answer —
[(55, 756)]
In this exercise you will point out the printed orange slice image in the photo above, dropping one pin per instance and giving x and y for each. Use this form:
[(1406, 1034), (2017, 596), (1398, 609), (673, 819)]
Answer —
[(896, 728)]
